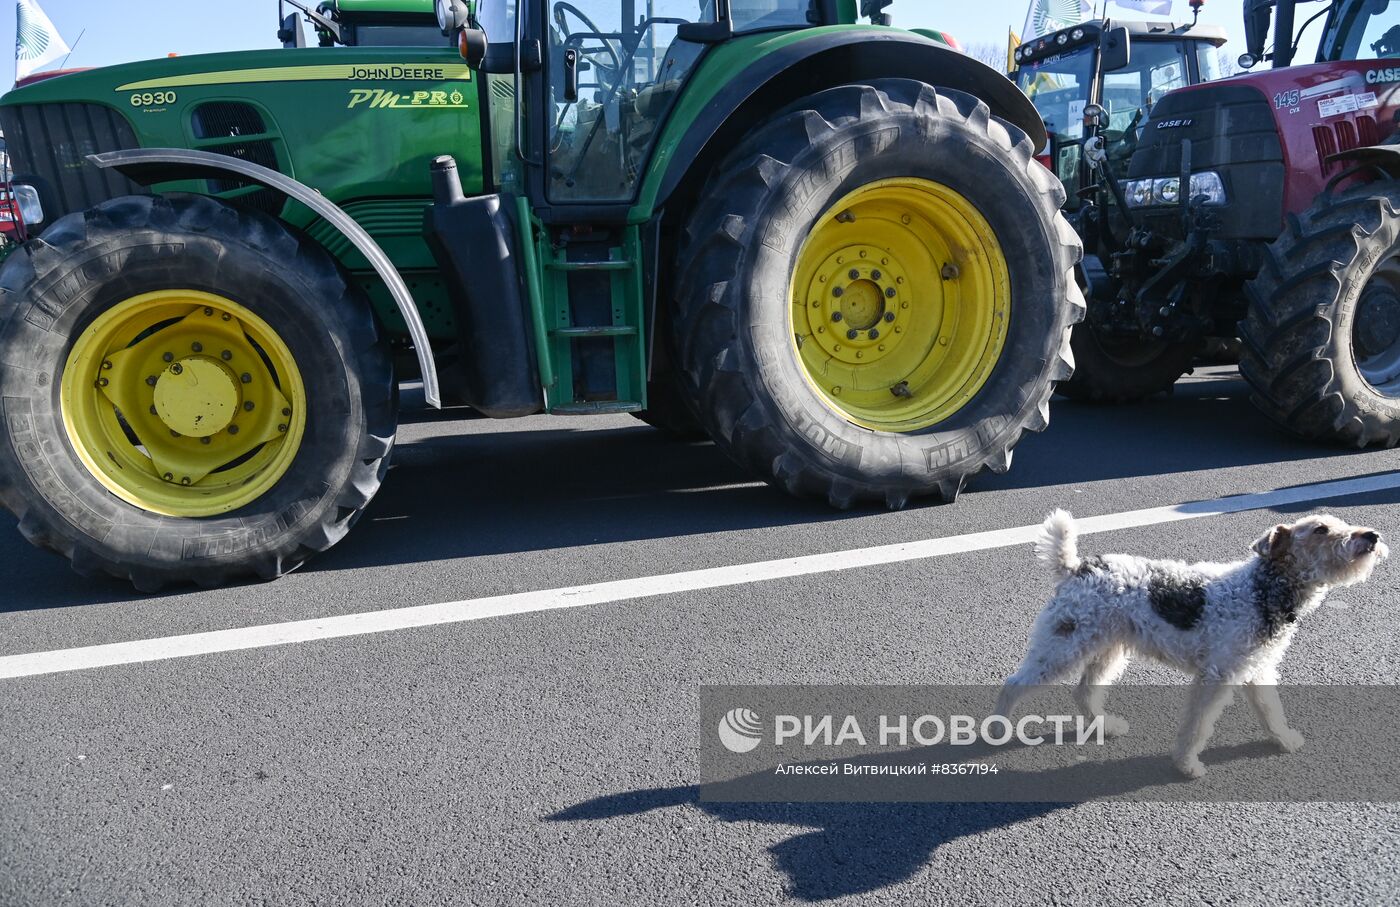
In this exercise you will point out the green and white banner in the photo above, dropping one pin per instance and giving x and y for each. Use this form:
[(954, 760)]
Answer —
[(37, 42), (1052, 15)]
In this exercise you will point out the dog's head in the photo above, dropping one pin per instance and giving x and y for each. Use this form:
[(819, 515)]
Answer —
[(1322, 549)]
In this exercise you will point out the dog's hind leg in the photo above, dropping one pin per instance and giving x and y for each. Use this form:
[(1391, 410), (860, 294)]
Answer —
[(1263, 698), (1042, 665), (1207, 700), (1099, 673)]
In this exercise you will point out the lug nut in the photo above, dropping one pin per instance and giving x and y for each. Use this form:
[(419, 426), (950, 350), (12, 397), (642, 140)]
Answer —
[(950, 272), (1157, 331), (246, 378), (855, 275), (102, 382), (185, 480), (168, 357), (874, 334), (106, 364), (153, 411), (228, 317), (890, 292), (226, 355), (168, 477), (835, 316), (889, 316), (852, 334), (1164, 311), (838, 292), (233, 429), (197, 347), (208, 311), (282, 427), (150, 380), (875, 274), (174, 433), (248, 406), (203, 440), (286, 411)]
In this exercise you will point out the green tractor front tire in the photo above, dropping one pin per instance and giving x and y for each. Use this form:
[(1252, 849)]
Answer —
[(192, 393), (875, 299)]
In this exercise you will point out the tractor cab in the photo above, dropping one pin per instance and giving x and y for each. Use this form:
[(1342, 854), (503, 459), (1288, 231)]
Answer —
[(361, 23), (599, 77), (1124, 67)]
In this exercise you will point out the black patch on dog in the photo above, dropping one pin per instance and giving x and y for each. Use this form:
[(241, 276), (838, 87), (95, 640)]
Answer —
[(1091, 565), (1177, 601), (1066, 627), (1277, 596)]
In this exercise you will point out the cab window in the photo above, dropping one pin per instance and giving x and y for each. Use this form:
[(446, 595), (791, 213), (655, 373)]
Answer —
[(605, 114)]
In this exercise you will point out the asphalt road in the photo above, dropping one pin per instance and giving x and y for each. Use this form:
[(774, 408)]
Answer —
[(550, 758)]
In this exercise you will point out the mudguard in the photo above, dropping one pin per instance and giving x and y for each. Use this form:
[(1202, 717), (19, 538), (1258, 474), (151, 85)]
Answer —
[(147, 166), (841, 57)]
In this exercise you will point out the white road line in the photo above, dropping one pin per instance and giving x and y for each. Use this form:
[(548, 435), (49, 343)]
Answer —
[(258, 637)]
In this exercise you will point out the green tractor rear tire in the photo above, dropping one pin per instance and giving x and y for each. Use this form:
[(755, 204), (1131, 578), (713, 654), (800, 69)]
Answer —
[(1321, 342), (875, 299), (193, 393)]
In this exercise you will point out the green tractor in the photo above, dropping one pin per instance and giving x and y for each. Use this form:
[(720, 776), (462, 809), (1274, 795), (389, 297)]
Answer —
[(825, 242)]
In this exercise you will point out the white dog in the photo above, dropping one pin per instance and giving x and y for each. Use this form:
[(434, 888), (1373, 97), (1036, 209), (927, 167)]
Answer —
[(1222, 623)]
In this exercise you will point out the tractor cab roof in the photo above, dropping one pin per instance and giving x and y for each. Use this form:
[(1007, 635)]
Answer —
[(380, 7), (1090, 33)]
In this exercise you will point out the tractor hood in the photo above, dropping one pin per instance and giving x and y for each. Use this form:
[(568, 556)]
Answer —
[(363, 121), (1270, 133)]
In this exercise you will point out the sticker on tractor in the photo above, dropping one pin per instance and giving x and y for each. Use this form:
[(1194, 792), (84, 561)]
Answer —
[(1330, 107), (380, 99)]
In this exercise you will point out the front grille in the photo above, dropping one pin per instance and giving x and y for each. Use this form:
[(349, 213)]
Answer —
[(49, 144), (1233, 133)]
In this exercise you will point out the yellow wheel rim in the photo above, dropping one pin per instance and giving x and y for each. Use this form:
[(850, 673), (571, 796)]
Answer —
[(183, 403), (900, 304)]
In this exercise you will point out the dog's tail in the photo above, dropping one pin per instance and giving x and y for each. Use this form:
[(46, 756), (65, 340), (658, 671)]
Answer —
[(1057, 543)]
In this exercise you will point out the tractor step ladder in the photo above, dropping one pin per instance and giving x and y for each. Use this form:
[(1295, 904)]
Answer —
[(559, 338)]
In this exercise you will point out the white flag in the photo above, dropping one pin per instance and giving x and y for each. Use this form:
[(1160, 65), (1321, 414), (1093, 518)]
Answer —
[(1052, 15), (37, 42), (1151, 7)]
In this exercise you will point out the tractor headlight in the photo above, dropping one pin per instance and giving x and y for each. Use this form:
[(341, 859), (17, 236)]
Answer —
[(1209, 184), (1206, 186), (452, 16), (1138, 193), (30, 208)]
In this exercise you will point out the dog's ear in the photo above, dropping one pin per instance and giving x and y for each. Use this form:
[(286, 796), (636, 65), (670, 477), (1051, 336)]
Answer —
[(1274, 542)]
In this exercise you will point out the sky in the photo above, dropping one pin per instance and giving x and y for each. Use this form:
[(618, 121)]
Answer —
[(142, 29)]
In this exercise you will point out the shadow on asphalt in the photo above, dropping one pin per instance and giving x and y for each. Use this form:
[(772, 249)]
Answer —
[(504, 492), (500, 492), (858, 848)]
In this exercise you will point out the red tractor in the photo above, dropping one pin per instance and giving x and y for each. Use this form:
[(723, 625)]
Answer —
[(1268, 207)]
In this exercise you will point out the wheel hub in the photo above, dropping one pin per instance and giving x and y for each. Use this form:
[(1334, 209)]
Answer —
[(900, 304), (183, 403), (196, 397), (857, 309), (1376, 334)]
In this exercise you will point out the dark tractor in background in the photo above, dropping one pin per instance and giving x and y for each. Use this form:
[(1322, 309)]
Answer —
[(1122, 68), (1268, 205)]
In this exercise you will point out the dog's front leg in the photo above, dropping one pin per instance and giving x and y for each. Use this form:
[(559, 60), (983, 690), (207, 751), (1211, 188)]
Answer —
[(1264, 699), (1207, 700)]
